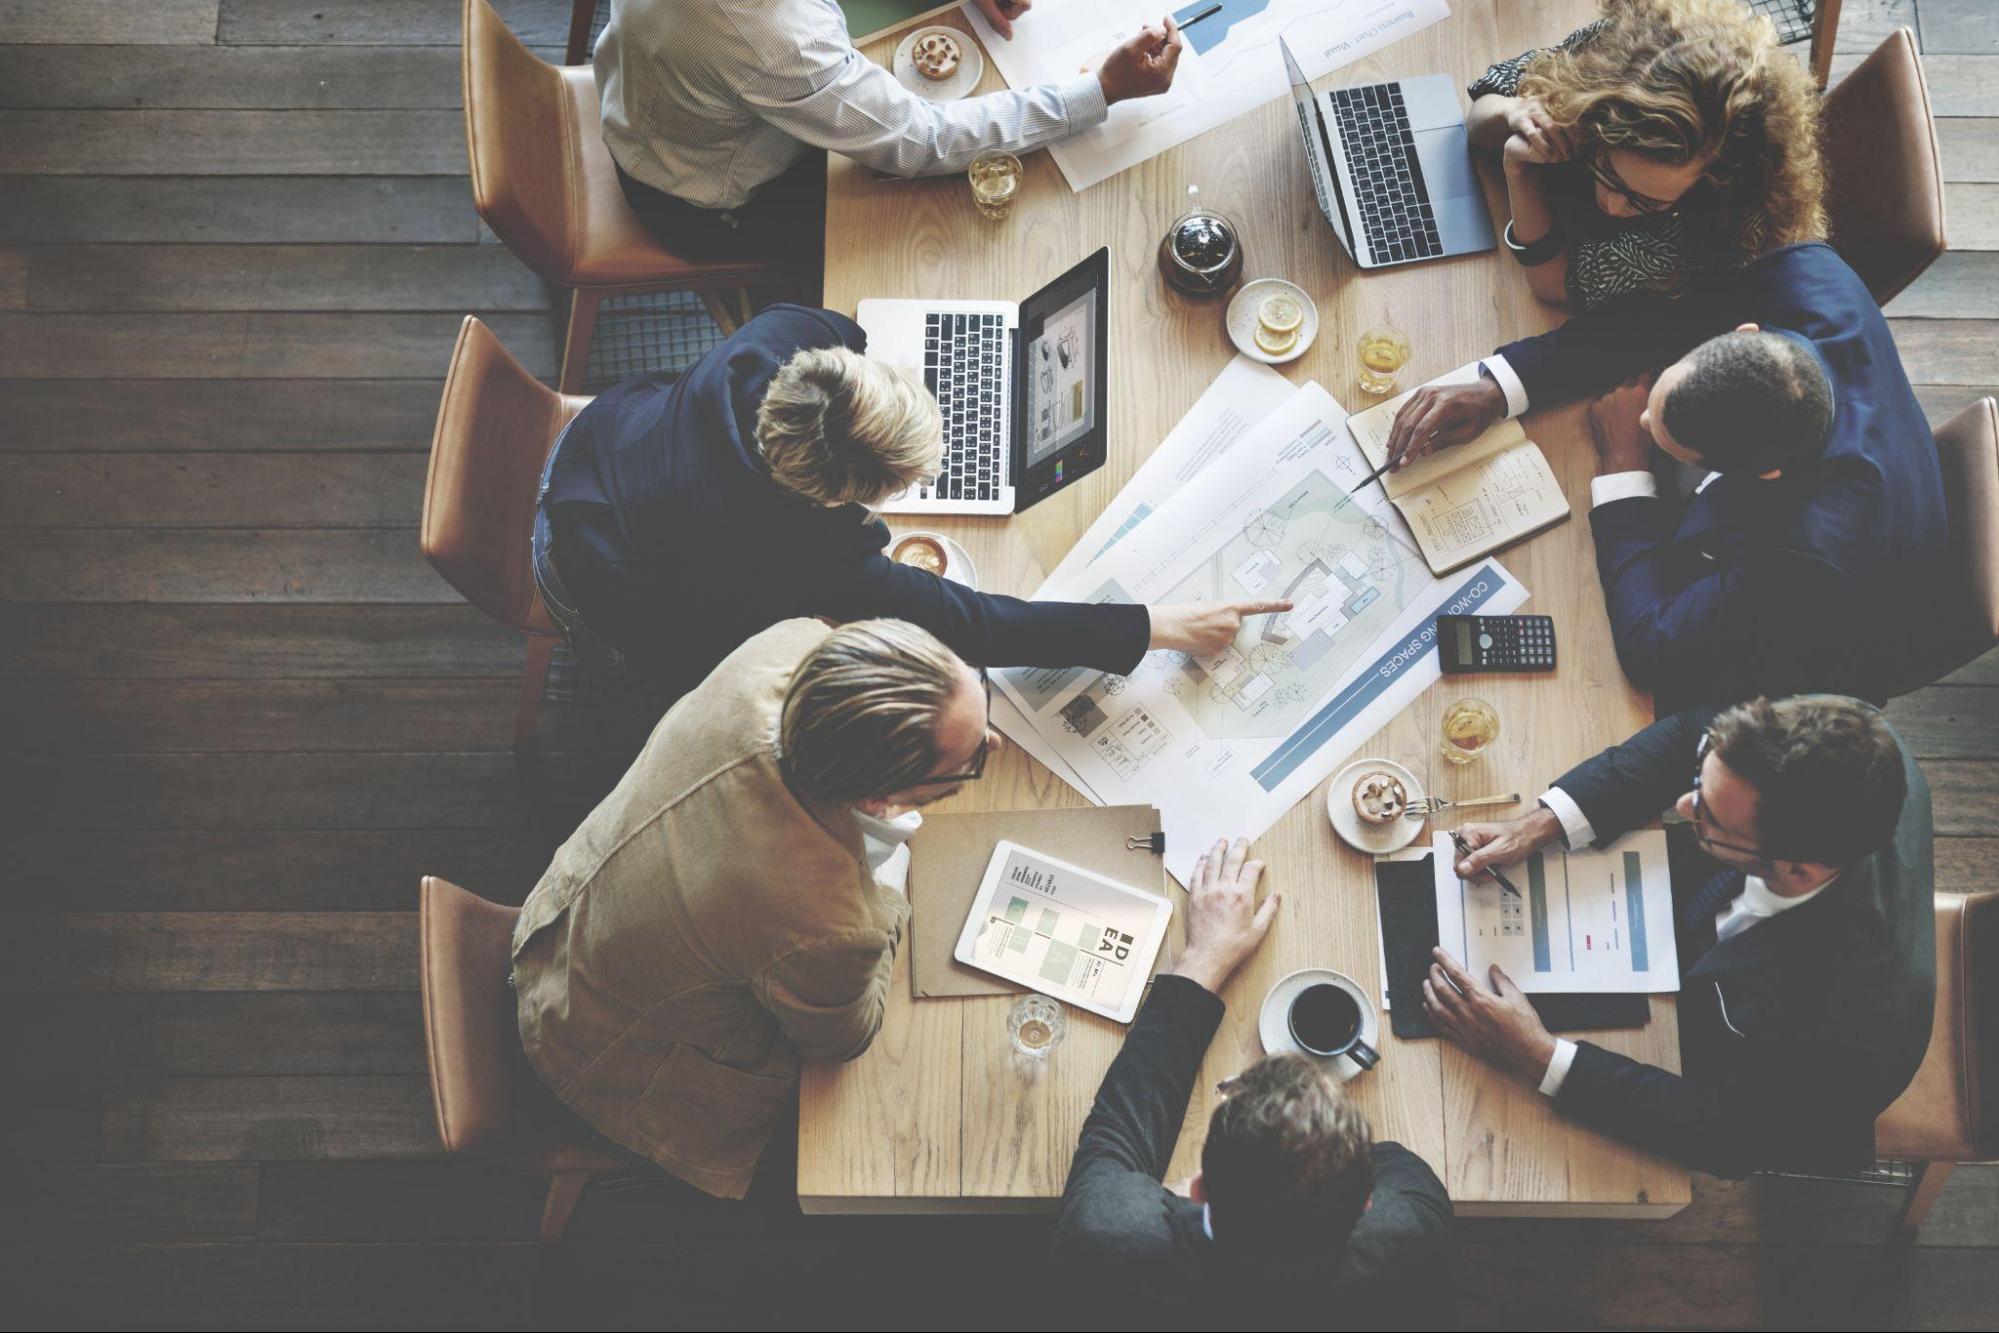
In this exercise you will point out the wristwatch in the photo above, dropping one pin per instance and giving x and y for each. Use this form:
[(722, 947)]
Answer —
[(1540, 252)]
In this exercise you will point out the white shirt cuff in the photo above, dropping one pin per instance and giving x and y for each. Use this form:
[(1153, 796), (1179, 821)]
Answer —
[(1576, 830), (1622, 486), (1558, 1067), (1083, 103), (1509, 384)]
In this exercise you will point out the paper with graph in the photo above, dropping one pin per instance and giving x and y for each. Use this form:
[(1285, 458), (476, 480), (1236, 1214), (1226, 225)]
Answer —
[(1231, 64), (1064, 931), (1594, 920)]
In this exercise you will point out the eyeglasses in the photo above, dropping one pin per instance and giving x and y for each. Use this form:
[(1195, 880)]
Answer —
[(1607, 177), (978, 768), (1700, 814)]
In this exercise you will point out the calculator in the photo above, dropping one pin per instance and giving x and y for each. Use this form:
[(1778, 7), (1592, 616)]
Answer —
[(1496, 643)]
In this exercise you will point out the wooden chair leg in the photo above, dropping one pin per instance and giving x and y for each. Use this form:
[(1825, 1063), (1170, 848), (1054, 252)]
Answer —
[(1923, 1191), (581, 16), (1825, 33), (576, 347), (534, 679), (719, 310), (563, 1193)]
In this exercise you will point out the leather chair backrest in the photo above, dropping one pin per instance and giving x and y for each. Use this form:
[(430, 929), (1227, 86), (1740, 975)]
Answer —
[(1885, 195), (519, 141), (1964, 610), (494, 430), (1948, 1114), (466, 956)]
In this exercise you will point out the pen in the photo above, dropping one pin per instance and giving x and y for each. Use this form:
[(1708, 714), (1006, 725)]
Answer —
[(1464, 849), (1207, 13), (1373, 476)]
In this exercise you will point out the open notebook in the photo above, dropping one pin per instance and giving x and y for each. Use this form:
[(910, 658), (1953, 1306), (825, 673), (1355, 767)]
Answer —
[(1467, 501)]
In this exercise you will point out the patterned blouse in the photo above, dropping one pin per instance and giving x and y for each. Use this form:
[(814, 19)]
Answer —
[(1612, 257)]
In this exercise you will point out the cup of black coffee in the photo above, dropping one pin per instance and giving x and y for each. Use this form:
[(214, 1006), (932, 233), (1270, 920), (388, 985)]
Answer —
[(1326, 1021)]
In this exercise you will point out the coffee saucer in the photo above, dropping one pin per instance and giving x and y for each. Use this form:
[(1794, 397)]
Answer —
[(1374, 839), (1273, 1022)]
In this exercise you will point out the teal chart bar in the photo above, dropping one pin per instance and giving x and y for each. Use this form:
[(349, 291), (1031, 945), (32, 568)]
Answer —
[(1537, 909), (1634, 904)]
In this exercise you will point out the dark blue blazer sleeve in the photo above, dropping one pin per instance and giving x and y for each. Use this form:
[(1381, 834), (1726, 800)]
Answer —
[(1629, 784), (1598, 349)]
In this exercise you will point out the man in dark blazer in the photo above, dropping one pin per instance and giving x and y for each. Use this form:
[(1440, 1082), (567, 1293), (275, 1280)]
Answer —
[(1295, 1207), (679, 517), (1802, 560), (1805, 926)]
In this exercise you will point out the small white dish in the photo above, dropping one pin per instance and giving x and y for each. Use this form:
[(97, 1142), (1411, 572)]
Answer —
[(959, 566), (971, 67), (1273, 1020), (1374, 839), (1243, 307)]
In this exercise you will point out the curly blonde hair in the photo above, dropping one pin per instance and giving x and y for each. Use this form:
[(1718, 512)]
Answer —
[(1677, 81)]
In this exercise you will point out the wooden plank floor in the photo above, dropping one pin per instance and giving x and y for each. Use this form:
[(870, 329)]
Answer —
[(241, 716)]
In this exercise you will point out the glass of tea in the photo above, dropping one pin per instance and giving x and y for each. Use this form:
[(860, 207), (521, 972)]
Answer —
[(995, 178), (1470, 728), (1037, 1025), (1384, 350)]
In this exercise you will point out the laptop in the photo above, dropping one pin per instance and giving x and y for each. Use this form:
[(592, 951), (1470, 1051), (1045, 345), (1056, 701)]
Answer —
[(1023, 388), (1392, 168)]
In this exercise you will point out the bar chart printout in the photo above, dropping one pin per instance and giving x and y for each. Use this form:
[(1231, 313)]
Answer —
[(1064, 931), (1594, 920)]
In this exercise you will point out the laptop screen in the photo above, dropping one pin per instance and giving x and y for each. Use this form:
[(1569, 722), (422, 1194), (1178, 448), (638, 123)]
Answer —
[(1312, 129), (1062, 369)]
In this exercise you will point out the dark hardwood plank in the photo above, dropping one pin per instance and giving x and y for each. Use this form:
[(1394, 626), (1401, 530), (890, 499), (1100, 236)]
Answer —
[(227, 1034), (257, 345), (1947, 351), (1967, 865), (145, 22), (270, 277), (1941, 402), (293, 870), (221, 490), (125, 716), (1959, 85), (1965, 794), (1968, 216), (262, 416), (1865, 24), (275, 1286), (1961, 26), (232, 143), (1970, 149), (136, 565), (126, 952), (65, 210), (1981, 671), (1960, 285), (144, 1201), (398, 1202), (234, 78), (136, 641), (381, 22), (1949, 721), (268, 1119), (52, 1120)]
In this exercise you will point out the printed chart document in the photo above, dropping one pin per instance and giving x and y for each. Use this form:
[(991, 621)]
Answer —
[(1064, 931), (1225, 744), (1597, 919), (1471, 499), (1231, 64)]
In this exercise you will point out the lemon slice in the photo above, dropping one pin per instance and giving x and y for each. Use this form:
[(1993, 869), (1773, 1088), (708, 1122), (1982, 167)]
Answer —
[(1281, 314), (1276, 344)]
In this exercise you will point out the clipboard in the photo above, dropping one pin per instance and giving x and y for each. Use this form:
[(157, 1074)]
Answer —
[(1406, 896), (948, 858)]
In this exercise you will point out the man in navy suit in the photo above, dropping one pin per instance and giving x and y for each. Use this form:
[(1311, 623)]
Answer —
[(1801, 561)]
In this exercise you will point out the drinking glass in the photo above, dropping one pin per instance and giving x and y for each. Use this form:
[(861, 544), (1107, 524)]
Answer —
[(1470, 728), (995, 178), (1037, 1025), (1384, 350)]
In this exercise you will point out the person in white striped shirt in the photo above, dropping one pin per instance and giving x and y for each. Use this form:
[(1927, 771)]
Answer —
[(712, 108)]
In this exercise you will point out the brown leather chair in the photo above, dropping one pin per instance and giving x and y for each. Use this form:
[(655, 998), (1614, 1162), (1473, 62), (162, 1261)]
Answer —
[(544, 182), (1965, 609), (1885, 195), (494, 430), (487, 1105), (1947, 1115)]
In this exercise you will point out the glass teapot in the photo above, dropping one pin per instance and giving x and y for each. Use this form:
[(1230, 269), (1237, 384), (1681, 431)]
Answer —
[(1201, 253)]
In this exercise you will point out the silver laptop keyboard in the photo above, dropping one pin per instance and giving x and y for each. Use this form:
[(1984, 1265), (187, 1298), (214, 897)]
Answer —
[(964, 363), (1389, 198)]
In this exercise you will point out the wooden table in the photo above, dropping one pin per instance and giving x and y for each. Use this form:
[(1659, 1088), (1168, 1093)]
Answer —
[(939, 1114)]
